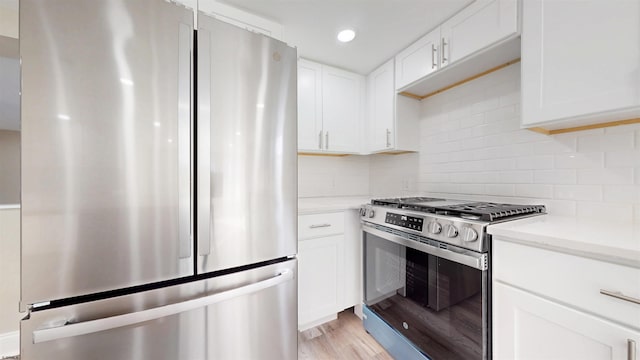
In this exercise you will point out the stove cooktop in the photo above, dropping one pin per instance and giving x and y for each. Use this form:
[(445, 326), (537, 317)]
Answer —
[(482, 211)]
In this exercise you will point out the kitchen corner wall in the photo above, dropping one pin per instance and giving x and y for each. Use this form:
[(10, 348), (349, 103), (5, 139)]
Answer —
[(9, 167), (333, 175), (472, 145)]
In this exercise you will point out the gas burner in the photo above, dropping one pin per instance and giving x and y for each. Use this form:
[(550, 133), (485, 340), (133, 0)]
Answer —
[(403, 203)]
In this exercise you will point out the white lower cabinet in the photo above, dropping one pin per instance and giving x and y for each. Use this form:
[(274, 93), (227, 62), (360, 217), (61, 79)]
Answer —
[(328, 266), (319, 279), (527, 326), (548, 305)]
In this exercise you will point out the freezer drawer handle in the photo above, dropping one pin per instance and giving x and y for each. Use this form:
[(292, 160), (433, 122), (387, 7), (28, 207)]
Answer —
[(118, 321)]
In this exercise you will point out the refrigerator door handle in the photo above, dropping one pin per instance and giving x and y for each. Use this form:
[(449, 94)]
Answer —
[(118, 321), (204, 143), (184, 139)]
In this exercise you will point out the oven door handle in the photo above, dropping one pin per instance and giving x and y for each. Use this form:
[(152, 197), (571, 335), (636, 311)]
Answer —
[(466, 257)]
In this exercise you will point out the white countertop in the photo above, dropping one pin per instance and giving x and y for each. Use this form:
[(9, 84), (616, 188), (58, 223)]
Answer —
[(602, 240), (329, 204)]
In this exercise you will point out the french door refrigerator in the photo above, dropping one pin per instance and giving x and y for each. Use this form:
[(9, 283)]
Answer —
[(159, 179)]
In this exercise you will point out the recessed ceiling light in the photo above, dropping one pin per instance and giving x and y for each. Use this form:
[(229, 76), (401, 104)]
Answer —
[(346, 35)]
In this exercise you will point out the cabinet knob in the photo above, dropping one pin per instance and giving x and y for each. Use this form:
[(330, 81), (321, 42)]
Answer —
[(631, 349)]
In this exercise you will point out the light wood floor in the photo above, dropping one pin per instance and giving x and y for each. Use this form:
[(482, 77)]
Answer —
[(343, 338)]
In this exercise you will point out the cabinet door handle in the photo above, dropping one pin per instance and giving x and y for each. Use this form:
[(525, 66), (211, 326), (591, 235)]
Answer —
[(388, 138), (619, 295), (320, 140), (315, 226), (434, 63), (444, 51), (326, 141), (631, 349)]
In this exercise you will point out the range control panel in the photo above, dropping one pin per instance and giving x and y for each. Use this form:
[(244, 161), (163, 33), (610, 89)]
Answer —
[(409, 222)]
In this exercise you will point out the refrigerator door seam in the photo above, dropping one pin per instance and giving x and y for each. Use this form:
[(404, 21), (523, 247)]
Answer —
[(118, 321)]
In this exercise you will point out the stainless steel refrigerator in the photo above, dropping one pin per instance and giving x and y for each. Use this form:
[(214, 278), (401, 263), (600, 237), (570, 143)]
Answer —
[(159, 201)]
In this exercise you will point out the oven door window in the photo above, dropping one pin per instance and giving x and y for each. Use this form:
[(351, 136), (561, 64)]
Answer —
[(437, 304)]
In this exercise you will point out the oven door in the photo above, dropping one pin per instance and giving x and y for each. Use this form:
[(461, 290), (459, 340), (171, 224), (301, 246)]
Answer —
[(434, 295)]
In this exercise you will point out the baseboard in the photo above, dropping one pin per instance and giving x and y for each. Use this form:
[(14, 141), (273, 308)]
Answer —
[(9, 344)]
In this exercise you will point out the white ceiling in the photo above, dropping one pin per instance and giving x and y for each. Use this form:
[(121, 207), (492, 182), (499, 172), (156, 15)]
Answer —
[(384, 27)]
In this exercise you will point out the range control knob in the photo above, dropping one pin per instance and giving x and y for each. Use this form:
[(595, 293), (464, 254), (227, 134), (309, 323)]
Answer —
[(434, 227), (363, 211), (451, 231), (468, 234), (371, 213)]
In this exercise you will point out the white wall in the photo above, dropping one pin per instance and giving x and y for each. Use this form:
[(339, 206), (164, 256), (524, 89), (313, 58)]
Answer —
[(9, 167), (9, 18), (472, 144), (333, 176)]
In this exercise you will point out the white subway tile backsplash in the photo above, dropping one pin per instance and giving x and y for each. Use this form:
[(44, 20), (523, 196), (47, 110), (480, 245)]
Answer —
[(561, 207), (500, 189), (558, 145), (535, 191), (475, 189), (605, 211), (622, 193), (578, 192), (562, 176), (606, 142), (579, 160), (484, 105), (605, 176), (471, 121), (535, 162), (516, 177), (622, 159), (500, 164)]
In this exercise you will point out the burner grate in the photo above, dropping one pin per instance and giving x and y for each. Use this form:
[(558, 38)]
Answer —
[(491, 211), (403, 203)]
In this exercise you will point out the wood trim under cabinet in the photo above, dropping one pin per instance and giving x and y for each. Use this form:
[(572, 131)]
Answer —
[(584, 127), (486, 72)]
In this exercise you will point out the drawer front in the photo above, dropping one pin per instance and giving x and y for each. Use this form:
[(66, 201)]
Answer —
[(570, 279), (316, 225)]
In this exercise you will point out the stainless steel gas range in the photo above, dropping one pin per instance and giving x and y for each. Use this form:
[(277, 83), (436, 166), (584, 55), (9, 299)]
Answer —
[(427, 269)]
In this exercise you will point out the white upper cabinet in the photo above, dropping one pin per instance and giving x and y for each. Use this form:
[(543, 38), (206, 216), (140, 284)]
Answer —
[(479, 38), (477, 26), (580, 62), (391, 120), (309, 105), (380, 117), (330, 109), (342, 99), (418, 60)]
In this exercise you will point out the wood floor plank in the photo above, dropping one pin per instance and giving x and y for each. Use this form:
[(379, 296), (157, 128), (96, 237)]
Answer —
[(344, 338)]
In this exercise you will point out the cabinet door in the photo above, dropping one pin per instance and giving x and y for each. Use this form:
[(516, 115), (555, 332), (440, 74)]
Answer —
[(319, 282), (381, 108), (478, 26), (342, 98), (579, 59), (309, 105), (418, 60), (526, 326)]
